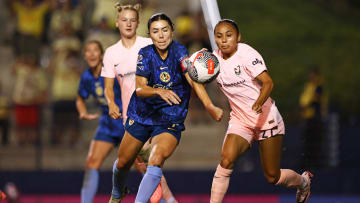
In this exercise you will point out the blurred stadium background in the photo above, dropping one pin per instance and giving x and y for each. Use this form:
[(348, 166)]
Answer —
[(298, 39)]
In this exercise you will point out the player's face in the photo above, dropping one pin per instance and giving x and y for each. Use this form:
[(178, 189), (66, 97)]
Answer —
[(127, 23), (161, 34), (226, 39), (93, 55)]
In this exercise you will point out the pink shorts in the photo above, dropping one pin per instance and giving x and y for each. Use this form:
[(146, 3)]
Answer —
[(250, 134)]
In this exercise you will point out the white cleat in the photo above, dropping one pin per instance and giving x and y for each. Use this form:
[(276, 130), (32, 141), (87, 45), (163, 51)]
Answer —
[(303, 194)]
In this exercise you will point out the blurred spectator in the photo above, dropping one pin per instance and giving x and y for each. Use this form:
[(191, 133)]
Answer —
[(30, 92), (4, 117), (104, 9), (65, 13), (313, 104), (66, 68), (148, 8), (103, 33), (30, 17)]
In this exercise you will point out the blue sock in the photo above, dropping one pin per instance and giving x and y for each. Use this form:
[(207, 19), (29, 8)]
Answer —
[(148, 184), (162, 200), (118, 180), (90, 185)]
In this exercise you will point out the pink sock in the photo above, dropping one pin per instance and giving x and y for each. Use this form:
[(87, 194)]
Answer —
[(289, 178), (220, 184), (166, 192)]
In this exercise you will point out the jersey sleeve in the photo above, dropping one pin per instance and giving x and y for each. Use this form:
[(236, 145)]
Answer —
[(255, 63), (83, 90), (182, 54), (108, 69), (143, 64)]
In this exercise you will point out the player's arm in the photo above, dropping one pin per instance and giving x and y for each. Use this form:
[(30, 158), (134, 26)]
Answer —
[(114, 110), (267, 86), (215, 112), (144, 91), (81, 108)]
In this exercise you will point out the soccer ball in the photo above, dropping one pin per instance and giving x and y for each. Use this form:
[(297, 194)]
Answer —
[(205, 67)]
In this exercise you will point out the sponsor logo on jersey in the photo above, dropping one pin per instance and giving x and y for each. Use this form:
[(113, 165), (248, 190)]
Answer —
[(237, 70), (165, 76), (256, 61)]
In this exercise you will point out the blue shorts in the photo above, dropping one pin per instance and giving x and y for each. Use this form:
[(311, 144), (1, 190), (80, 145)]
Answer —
[(110, 130), (144, 132)]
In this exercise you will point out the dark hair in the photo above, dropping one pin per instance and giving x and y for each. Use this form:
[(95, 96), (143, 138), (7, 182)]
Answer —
[(98, 43), (228, 21), (160, 16)]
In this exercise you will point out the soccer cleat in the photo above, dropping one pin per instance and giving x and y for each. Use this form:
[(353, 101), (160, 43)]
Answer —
[(303, 194), (123, 194)]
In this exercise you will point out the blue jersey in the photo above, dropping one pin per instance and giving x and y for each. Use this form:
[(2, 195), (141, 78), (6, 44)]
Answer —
[(165, 74), (89, 85)]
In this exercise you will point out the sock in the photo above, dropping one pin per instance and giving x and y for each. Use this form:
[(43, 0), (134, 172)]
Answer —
[(148, 184), (163, 201), (166, 192), (290, 178), (220, 184), (90, 185), (118, 179)]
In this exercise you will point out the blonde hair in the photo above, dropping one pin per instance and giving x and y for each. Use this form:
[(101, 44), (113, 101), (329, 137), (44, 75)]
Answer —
[(126, 5)]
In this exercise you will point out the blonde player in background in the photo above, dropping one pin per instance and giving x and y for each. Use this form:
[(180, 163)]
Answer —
[(120, 62), (254, 117)]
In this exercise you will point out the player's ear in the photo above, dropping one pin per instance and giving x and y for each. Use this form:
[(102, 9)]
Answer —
[(239, 37)]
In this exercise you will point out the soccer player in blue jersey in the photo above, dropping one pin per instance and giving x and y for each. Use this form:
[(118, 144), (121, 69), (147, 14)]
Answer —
[(109, 131), (159, 105)]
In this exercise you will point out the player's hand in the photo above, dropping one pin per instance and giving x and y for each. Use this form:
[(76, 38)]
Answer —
[(89, 116), (114, 111), (257, 108), (139, 165), (215, 112), (169, 96)]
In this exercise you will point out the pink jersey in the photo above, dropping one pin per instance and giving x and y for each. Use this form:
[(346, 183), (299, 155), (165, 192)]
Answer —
[(120, 62), (237, 81)]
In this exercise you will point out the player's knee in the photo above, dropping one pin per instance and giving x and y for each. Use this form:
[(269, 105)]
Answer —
[(123, 163), (272, 177), (157, 159), (92, 162), (227, 162)]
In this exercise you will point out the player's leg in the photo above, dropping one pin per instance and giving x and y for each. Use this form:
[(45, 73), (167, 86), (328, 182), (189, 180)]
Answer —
[(128, 149), (164, 145), (166, 192), (233, 147), (270, 156), (98, 151)]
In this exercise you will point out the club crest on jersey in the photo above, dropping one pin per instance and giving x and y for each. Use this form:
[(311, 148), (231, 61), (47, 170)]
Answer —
[(237, 70), (98, 89), (140, 57), (131, 121), (165, 76)]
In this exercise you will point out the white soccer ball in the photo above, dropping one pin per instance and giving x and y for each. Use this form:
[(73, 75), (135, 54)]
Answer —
[(205, 67)]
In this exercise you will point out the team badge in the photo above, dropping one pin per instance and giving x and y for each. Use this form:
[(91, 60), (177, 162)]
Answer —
[(131, 121), (237, 70), (165, 76), (98, 89), (140, 57)]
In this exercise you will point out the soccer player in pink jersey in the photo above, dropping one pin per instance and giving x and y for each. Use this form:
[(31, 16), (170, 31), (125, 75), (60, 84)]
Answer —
[(120, 61), (254, 117)]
